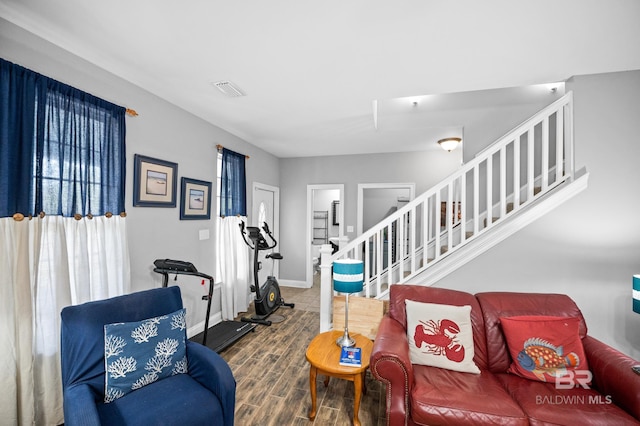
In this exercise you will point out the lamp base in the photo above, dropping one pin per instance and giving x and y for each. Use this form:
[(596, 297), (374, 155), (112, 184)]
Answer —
[(345, 341)]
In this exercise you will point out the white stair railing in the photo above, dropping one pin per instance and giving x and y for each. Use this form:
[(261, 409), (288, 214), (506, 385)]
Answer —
[(522, 166)]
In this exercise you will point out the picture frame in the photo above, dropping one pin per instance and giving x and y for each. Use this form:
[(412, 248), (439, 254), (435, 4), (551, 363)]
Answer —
[(456, 213), (195, 199), (335, 206), (155, 182)]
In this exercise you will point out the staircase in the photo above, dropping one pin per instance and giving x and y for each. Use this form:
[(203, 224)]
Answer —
[(511, 183)]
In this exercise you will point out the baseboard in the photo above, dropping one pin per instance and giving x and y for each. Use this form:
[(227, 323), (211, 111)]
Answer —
[(293, 283), (199, 327)]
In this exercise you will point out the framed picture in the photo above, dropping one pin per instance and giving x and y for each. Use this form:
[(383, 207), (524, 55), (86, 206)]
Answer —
[(154, 182), (195, 201), (454, 218)]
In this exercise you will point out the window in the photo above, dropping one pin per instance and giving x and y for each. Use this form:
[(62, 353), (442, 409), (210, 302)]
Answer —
[(64, 149), (233, 184)]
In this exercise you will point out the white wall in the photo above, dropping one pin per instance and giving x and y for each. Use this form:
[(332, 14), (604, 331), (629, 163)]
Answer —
[(589, 248), (163, 131)]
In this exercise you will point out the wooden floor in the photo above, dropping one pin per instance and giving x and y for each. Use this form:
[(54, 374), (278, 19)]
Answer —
[(272, 377)]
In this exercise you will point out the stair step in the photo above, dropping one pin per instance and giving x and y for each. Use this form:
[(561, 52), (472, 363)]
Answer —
[(536, 190)]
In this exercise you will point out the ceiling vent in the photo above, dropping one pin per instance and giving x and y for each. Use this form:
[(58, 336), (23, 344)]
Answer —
[(229, 89)]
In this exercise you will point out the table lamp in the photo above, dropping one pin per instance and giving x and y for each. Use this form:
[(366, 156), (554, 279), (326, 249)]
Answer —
[(636, 308), (348, 275), (636, 294)]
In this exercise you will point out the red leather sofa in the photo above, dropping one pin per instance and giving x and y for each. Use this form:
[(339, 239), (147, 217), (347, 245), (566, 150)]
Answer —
[(423, 395)]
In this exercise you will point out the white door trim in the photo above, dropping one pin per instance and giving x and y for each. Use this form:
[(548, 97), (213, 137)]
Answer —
[(309, 233), (362, 186)]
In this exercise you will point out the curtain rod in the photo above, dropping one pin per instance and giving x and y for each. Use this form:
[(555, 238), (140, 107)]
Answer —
[(19, 217), (220, 149), (131, 112)]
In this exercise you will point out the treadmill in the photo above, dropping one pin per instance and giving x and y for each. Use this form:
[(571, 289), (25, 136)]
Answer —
[(225, 333)]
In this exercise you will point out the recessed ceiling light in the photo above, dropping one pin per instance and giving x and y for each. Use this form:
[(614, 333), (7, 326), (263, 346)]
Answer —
[(228, 88)]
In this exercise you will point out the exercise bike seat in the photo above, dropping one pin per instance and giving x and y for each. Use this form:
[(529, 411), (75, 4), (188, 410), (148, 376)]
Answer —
[(274, 256)]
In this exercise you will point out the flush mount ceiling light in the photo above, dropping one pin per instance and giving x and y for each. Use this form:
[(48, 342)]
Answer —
[(229, 89), (449, 144)]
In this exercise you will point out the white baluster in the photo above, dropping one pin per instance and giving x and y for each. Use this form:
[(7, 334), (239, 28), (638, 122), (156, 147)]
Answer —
[(489, 190), (476, 199), (516, 173), (545, 154), (326, 288), (530, 165), (503, 181)]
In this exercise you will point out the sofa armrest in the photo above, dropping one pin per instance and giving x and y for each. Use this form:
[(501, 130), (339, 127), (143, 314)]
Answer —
[(213, 372), (612, 375), (80, 406), (390, 363)]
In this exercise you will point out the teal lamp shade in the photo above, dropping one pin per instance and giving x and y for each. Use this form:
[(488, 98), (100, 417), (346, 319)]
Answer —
[(348, 275), (636, 294)]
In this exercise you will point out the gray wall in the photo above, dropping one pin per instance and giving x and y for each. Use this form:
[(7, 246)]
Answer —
[(163, 131), (379, 203), (423, 168), (589, 248), (486, 125), (482, 127)]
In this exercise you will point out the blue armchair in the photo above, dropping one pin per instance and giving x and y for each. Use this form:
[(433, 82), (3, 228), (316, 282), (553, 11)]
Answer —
[(204, 396)]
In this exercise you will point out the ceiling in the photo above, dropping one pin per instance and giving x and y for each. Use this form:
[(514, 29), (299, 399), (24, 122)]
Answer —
[(340, 77)]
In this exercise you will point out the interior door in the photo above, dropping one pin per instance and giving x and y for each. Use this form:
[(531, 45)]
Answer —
[(266, 209)]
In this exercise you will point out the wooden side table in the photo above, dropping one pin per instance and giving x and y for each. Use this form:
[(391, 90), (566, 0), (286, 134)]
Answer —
[(324, 358)]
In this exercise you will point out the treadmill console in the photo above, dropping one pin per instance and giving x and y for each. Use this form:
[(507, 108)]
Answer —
[(175, 265)]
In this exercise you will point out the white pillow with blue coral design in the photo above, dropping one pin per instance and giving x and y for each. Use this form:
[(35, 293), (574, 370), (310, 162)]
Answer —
[(139, 353)]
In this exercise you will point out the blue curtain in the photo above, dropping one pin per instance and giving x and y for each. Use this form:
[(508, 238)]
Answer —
[(62, 151), (233, 185), (19, 91)]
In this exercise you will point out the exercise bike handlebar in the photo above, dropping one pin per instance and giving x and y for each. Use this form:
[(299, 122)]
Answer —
[(244, 235), (256, 236), (265, 227)]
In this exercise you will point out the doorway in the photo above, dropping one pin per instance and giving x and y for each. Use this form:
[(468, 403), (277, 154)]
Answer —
[(325, 223), (378, 200), (266, 208)]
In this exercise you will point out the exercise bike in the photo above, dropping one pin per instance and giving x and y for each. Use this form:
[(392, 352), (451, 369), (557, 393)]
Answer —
[(267, 299)]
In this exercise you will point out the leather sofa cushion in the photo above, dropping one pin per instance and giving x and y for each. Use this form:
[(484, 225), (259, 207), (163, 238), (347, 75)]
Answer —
[(443, 396), (397, 310), (544, 404), (508, 304)]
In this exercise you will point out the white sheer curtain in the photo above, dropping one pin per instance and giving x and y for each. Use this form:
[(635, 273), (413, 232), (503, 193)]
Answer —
[(232, 266), (45, 265)]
